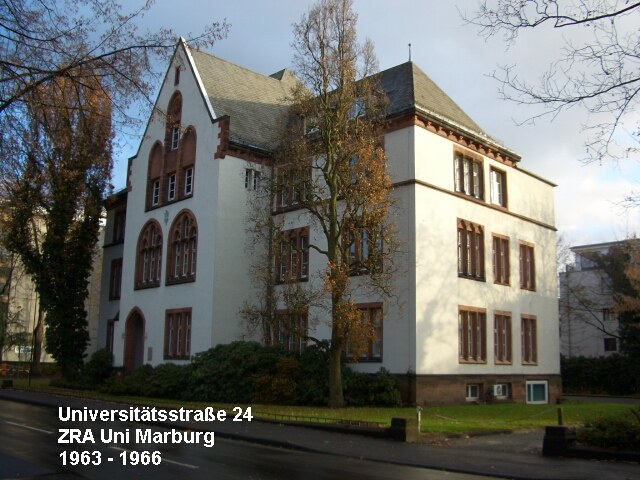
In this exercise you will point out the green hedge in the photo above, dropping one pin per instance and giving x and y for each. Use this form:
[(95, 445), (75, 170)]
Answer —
[(613, 375), (246, 372)]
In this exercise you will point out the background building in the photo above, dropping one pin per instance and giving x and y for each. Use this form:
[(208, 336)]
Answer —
[(589, 326)]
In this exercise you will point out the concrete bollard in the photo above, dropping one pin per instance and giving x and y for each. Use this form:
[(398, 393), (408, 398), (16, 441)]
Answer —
[(404, 429), (557, 439)]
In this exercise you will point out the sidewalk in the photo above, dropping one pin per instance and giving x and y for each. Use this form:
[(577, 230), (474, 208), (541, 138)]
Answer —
[(515, 455)]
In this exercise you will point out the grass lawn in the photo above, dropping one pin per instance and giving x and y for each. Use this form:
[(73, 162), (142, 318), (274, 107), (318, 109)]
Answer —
[(453, 419)]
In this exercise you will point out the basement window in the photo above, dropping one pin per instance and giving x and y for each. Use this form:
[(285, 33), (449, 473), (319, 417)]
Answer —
[(537, 392)]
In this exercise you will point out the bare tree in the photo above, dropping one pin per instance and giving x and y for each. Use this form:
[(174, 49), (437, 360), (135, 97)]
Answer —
[(333, 168), (44, 40), (599, 74)]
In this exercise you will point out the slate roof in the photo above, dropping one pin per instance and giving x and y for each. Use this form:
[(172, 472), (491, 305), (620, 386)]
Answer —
[(407, 86), (257, 104)]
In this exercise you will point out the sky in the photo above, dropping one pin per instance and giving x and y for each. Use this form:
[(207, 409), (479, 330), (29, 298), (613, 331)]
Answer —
[(588, 197)]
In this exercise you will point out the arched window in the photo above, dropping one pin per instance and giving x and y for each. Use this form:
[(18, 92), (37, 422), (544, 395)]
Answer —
[(149, 256), (182, 255)]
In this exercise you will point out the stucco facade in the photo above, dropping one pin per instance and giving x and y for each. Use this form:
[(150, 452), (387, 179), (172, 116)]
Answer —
[(457, 191)]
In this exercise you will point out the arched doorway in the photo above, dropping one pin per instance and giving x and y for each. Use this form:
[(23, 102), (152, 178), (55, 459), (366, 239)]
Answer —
[(134, 341)]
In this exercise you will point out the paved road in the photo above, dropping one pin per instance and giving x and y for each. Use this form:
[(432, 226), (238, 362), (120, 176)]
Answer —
[(29, 447)]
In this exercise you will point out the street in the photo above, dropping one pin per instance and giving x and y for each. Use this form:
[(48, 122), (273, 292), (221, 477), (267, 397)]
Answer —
[(30, 447)]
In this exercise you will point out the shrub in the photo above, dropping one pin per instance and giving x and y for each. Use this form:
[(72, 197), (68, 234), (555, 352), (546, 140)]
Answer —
[(313, 377), (132, 384), (281, 387), (620, 431), (168, 381), (379, 388), (98, 368), (225, 373)]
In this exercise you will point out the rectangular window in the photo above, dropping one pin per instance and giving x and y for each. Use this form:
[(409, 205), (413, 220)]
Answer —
[(251, 179), (365, 249), (155, 193), (498, 187), (611, 344), (290, 332), (177, 334), (292, 259), (502, 338), (292, 187), (470, 250), (527, 267), (537, 391), (501, 260), (468, 176), (188, 182), (529, 340), (119, 221), (115, 279), (370, 315), (175, 137), (171, 187), (473, 392), (472, 326)]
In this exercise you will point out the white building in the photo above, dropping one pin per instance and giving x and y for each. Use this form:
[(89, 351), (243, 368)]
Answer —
[(589, 326), (477, 311)]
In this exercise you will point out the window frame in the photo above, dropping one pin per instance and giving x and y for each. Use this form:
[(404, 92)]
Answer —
[(469, 397), (149, 256), (498, 189), (500, 252), (119, 224), (155, 192), (292, 256), (468, 174), (471, 251), (502, 338), (171, 187), (610, 344), (177, 334), (290, 331), (472, 335), (529, 384), (175, 138), (527, 266), (115, 279), (361, 249), (374, 314), (529, 339), (182, 249), (188, 181)]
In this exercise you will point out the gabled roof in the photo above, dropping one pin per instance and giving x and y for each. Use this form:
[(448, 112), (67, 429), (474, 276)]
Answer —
[(256, 104)]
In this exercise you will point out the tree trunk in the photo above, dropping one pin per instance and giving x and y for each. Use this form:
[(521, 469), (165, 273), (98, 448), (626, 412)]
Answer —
[(38, 334), (336, 396)]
